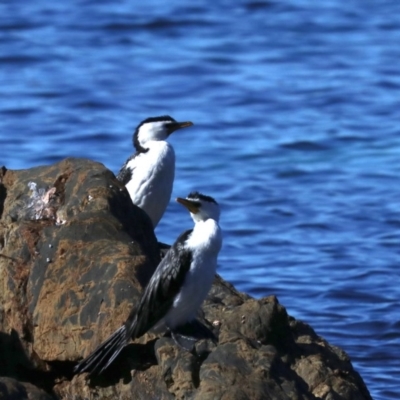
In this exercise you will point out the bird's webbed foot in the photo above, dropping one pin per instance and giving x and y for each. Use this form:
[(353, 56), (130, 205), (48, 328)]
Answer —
[(186, 336), (185, 342)]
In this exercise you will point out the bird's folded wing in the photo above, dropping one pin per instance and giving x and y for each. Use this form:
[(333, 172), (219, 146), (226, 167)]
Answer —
[(162, 288)]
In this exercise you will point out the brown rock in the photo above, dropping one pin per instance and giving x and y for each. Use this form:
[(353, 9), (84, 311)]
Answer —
[(74, 257), (12, 389)]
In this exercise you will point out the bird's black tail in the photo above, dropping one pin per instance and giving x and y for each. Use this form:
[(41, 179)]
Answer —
[(105, 354)]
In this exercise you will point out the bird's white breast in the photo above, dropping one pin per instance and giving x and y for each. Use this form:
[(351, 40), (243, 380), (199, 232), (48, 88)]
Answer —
[(205, 243), (152, 179)]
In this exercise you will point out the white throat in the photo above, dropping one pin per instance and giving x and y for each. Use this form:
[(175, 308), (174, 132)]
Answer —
[(206, 237), (154, 131)]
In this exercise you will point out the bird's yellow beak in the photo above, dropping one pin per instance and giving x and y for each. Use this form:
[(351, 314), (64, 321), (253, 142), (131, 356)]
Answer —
[(188, 204), (184, 124)]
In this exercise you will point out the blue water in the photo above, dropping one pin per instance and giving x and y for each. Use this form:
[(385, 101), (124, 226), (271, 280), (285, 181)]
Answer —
[(296, 106)]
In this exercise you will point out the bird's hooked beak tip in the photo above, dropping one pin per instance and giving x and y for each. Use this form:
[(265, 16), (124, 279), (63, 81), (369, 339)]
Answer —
[(184, 124), (178, 125), (188, 204)]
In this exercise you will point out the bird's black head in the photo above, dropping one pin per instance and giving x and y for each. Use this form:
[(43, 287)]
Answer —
[(197, 196), (155, 129), (201, 207)]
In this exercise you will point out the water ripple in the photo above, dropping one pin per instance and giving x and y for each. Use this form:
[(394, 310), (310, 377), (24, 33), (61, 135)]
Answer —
[(296, 134)]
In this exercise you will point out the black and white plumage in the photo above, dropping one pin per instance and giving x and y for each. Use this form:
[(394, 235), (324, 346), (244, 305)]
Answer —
[(177, 288), (149, 173)]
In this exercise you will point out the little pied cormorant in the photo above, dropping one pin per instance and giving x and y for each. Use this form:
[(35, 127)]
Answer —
[(177, 288), (149, 173)]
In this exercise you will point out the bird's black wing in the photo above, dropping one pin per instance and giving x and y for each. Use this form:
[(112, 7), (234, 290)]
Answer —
[(125, 173), (162, 288), (156, 300)]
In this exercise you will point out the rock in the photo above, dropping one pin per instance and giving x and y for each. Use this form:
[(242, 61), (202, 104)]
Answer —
[(12, 389), (75, 254)]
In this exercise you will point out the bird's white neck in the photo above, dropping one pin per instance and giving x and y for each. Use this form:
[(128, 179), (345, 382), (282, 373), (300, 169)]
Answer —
[(206, 237)]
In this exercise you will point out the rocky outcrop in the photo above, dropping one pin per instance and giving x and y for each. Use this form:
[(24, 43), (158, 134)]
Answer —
[(75, 254)]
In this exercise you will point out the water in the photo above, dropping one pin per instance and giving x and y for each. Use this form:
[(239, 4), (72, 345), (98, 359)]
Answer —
[(296, 111)]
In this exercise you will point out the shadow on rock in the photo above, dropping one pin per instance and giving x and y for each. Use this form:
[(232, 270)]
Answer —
[(136, 357), (15, 364)]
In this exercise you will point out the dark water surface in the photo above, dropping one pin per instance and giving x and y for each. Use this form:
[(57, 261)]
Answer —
[(296, 106)]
